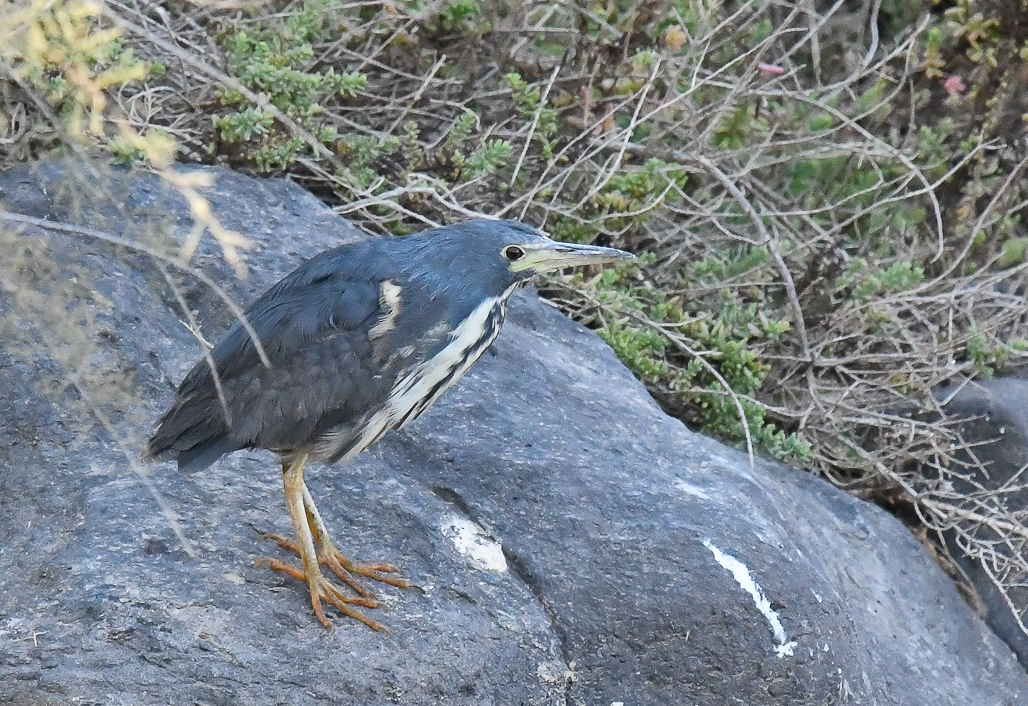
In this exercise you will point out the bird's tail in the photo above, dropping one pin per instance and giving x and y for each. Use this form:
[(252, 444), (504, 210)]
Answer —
[(193, 432)]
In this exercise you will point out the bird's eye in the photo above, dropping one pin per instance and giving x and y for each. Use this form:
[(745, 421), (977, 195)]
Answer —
[(513, 253)]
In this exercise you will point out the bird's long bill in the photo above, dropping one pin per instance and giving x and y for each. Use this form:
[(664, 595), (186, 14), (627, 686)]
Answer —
[(556, 256)]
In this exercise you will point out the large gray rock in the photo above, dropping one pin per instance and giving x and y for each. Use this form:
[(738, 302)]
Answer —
[(573, 543)]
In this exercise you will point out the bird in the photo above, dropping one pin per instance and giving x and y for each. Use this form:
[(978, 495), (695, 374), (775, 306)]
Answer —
[(355, 342)]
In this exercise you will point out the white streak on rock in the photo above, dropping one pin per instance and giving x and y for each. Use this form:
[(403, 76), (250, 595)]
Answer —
[(690, 489), (472, 541), (742, 575)]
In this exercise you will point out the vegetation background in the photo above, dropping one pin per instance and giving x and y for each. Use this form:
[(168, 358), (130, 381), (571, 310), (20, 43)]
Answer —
[(826, 197)]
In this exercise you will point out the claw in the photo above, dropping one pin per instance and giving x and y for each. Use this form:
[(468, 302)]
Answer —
[(315, 548), (341, 566), (297, 573)]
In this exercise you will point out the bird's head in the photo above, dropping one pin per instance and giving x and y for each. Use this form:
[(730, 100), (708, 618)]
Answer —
[(515, 252), (528, 252), (480, 259)]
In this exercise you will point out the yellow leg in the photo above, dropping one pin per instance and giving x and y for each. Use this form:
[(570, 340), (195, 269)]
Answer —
[(340, 565), (314, 546)]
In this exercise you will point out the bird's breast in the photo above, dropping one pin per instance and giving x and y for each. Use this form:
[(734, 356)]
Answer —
[(416, 391), (420, 383)]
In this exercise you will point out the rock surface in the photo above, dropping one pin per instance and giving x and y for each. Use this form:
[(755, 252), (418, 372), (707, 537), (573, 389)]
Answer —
[(994, 422), (573, 543)]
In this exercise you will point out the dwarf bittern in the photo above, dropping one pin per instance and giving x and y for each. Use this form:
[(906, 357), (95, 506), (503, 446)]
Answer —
[(358, 340)]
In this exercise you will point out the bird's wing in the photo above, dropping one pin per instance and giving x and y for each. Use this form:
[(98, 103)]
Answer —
[(295, 318), (314, 327)]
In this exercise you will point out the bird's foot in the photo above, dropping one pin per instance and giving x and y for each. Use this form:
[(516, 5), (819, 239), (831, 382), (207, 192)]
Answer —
[(323, 589), (343, 567)]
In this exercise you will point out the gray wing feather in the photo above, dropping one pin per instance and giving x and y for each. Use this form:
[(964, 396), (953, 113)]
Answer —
[(314, 328)]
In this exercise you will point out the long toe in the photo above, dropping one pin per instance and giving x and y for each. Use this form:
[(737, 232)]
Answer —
[(328, 590), (283, 542), (339, 564), (345, 568), (325, 589), (275, 565)]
